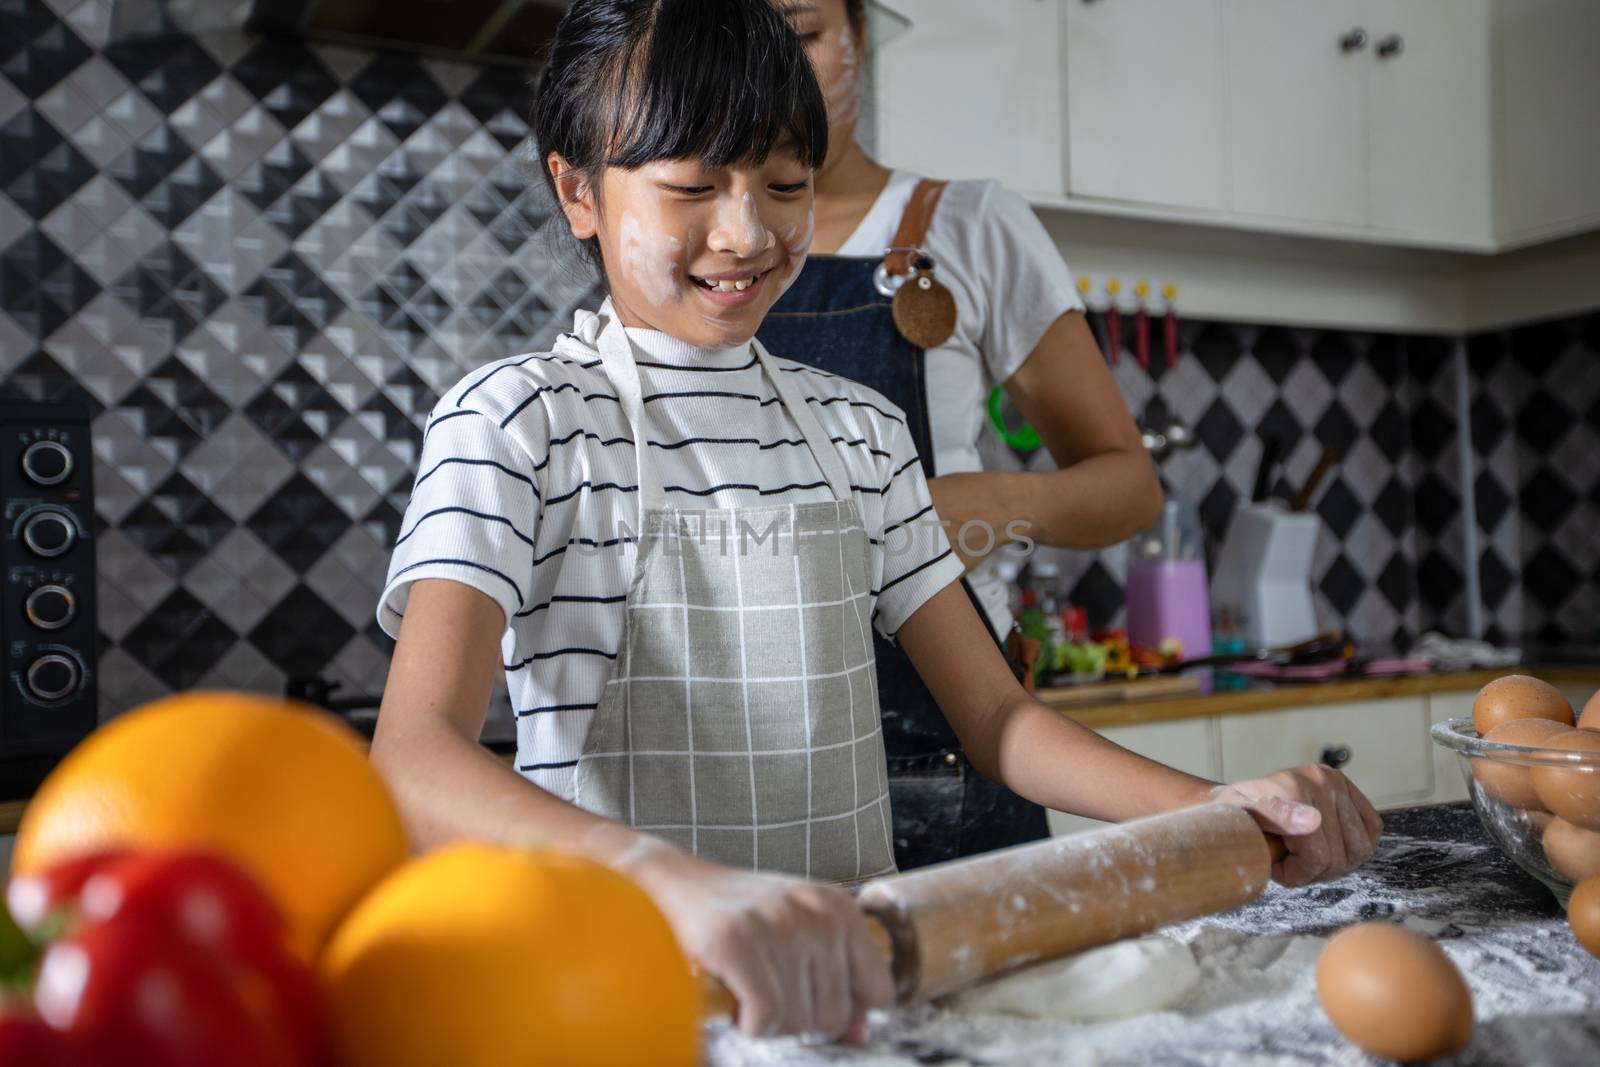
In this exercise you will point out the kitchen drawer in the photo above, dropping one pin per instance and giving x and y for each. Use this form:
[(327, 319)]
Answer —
[(1577, 695), (1187, 744), (1391, 757)]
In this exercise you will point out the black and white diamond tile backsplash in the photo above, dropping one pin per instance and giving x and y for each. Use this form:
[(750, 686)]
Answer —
[(259, 261), (1237, 385)]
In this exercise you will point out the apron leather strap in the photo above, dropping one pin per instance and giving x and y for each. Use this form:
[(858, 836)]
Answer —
[(914, 224)]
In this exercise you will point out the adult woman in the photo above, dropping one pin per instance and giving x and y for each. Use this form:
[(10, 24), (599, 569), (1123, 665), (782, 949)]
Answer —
[(1018, 322)]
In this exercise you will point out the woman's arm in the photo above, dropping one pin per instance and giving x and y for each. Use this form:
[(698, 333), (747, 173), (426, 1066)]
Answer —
[(798, 957), (1104, 489), (1010, 737)]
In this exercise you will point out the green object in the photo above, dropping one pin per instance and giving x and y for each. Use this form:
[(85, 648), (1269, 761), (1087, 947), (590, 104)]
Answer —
[(1079, 657), (1024, 438), (1032, 624), (17, 955)]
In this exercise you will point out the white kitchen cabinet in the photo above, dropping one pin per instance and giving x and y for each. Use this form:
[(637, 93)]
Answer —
[(1450, 124), (1144, 98), (1390, 754), (1187, 744), (1547, 85), (974, 91), (1577, 695), (1429, 118), (1367, 113), (1449, 785), (1297, 108)]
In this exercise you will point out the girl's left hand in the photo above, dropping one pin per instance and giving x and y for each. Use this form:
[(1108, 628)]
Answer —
[(1327, 825)]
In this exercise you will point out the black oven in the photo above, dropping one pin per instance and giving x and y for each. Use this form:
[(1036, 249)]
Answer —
[(48, 630)]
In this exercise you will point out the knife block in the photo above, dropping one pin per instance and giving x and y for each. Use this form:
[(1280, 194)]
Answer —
[(1264, 574)]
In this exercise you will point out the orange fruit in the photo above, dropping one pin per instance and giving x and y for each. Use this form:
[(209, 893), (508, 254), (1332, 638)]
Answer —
[(283, 790), (479, 955)]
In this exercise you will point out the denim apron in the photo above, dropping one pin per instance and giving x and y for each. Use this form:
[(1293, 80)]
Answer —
[(834, 318)]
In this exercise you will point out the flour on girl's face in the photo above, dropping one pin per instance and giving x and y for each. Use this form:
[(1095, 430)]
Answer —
[(651, 260), (797, 242), (755, 233)]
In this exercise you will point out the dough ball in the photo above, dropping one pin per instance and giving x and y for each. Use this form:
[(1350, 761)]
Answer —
[(1573, 792), (1512, 783), (1114, 982), (1518, 696), (1573, 851)]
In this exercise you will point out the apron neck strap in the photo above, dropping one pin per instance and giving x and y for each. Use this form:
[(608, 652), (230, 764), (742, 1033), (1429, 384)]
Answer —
[(914, 225), (617, 358), (788, 387)]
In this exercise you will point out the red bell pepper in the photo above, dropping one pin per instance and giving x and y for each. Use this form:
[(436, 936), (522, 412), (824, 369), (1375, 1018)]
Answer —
[(169, 959)]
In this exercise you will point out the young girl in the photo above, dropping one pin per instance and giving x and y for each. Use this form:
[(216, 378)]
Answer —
[(677, 548)]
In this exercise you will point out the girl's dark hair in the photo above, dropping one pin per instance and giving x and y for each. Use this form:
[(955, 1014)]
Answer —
[(630, 82)]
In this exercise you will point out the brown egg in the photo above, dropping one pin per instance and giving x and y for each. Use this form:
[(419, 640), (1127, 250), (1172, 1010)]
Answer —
[(1583, 912), (1512, 783), (1590, 719), (1573, 851), (1517, 696), (1572, 792), (1394, 993)]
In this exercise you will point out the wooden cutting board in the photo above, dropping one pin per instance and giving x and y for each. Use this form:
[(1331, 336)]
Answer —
[(1112, 692)]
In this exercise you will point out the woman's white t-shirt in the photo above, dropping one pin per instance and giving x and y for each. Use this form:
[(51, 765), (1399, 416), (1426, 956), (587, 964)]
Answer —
[(1010, 283)]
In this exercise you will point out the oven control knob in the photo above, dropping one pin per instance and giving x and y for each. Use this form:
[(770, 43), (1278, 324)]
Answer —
[(49, 533), (50, 607), (47, 463), (54, 677)]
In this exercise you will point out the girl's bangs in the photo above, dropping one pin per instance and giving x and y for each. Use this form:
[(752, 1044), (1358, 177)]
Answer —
[(723, 87)]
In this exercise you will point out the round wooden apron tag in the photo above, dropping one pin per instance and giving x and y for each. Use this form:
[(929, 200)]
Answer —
[(924, 311)]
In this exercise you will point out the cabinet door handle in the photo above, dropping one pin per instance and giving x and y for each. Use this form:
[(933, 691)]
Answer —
[(1335, 756), (1354, 41), (1391, 46)]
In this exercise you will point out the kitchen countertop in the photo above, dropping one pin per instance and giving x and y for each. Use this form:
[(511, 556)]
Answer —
[(1536, 993), (1279, 696), (1258, 698)]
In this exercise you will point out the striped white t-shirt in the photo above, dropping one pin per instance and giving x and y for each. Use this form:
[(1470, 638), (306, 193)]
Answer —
[(527, 490)]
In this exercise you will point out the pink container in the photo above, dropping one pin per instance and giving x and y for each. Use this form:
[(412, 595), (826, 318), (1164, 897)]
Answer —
[(1168, 598)]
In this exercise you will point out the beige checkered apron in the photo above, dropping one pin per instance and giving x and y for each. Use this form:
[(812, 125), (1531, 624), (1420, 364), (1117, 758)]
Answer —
[(742, 720)]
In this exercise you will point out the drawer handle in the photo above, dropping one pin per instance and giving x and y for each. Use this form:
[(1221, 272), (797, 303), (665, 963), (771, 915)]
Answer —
[(1335, 756), (1391, 46), (1354, 41)]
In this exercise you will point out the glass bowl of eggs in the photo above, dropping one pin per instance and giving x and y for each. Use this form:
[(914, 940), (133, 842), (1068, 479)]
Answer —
[(1534, 777)]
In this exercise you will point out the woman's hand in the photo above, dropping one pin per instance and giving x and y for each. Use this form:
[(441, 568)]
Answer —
[(1327, 825), (797, 955)]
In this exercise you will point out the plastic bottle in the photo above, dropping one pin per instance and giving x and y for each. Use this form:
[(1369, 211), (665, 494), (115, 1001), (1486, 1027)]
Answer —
[(1046, 577)]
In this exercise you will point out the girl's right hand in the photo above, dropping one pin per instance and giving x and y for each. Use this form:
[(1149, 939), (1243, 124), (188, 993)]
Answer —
[(798, 956)]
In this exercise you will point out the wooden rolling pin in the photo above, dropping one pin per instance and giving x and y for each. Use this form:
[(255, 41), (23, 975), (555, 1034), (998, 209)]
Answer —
[(947, 926)]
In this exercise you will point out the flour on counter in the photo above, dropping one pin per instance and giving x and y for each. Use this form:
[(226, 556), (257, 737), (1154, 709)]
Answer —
[(1536, 994)]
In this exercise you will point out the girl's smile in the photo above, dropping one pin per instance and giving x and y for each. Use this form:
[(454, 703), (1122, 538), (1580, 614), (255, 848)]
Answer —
[(731, 290)]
